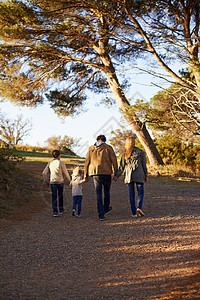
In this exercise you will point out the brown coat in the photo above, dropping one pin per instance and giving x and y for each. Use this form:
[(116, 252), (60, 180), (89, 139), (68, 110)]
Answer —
[(100, 160)]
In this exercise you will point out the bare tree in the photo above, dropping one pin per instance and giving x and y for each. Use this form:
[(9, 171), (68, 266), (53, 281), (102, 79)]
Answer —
[(174, 110), (14, 131)]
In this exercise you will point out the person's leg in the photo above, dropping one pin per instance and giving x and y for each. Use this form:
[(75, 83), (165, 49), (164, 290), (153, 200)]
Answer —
[(54, 197), (131, 187), (60, 196), (79, 205), (107, 186), (97, 179), (74, 205), (140, 190)]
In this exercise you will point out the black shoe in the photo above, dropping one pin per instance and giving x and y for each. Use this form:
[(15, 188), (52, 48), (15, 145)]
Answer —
[(73, 213), (55, 214), (109, 210), (62, 211), (102, 219)]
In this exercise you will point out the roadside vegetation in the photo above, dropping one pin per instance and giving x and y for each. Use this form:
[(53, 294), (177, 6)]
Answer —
[(181, 157), (8, 182), (17, 184)]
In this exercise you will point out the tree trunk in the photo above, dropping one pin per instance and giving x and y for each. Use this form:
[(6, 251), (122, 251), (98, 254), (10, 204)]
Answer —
[(196, 72), (148, 144), (138, 127)]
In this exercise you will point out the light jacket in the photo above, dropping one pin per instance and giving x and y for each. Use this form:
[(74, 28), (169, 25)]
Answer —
[(135, 167), (57, 170), (100, 160), (76, 185)]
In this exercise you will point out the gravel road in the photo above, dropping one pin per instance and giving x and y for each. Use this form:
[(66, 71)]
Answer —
[(154, 257)]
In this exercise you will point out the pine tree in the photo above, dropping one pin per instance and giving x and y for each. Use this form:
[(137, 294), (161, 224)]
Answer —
[(80, 45)]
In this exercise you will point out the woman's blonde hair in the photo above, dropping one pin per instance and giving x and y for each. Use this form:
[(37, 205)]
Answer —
[(129, 145)]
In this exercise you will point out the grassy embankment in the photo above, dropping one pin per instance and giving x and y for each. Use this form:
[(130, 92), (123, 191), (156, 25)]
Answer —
[(46, 157), (21, 186)]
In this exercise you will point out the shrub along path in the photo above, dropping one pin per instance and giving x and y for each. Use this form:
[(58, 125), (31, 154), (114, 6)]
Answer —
[(154, 257)]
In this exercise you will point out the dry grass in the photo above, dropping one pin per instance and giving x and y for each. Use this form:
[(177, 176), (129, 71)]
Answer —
[(47, 159), (180, 172)]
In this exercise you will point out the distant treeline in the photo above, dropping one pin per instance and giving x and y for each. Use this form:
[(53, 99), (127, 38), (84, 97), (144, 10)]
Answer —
[(42, 149)]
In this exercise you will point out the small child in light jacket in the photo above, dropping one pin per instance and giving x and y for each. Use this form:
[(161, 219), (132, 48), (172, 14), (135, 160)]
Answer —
[(77, 193)]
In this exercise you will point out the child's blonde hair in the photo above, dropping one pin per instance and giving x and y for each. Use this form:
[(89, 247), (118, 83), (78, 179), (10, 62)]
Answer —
[(77, 171), (129, 145)]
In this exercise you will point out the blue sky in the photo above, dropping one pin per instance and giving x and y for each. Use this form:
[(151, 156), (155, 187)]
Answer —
[(87, 125)]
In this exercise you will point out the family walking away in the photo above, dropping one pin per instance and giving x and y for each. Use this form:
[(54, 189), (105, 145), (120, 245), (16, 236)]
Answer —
[(77, 193), (100, 162), (54, 172), (101, 165), (133, 162)]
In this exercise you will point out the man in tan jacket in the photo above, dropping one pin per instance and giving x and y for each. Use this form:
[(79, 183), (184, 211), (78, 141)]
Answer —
[(100, 162)]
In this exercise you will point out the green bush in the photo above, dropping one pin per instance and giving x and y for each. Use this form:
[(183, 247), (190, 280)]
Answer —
[(176, 152), (8, 158)]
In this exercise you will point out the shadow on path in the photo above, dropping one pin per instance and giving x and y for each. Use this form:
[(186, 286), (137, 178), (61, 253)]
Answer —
[(155, 257)]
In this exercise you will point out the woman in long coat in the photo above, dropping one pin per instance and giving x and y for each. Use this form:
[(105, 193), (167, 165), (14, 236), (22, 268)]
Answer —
[(133, 162)]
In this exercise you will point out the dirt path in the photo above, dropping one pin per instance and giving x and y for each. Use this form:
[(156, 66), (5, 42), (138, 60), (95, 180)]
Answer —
[(155, 257)]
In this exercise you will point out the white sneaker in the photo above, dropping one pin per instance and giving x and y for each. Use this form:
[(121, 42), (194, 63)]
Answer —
[(134, 216)]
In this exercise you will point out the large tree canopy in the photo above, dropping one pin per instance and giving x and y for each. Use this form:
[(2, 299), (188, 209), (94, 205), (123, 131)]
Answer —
[(57, 49)]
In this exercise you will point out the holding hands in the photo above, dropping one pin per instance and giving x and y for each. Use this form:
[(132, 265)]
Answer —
[(115, 178)]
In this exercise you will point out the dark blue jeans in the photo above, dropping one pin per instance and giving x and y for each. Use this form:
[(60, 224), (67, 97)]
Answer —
[(102, 182), (57, 189), (140, 190), (77, 200)]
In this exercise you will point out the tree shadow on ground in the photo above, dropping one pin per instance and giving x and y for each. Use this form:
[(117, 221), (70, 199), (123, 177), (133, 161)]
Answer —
[(155, 257)]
